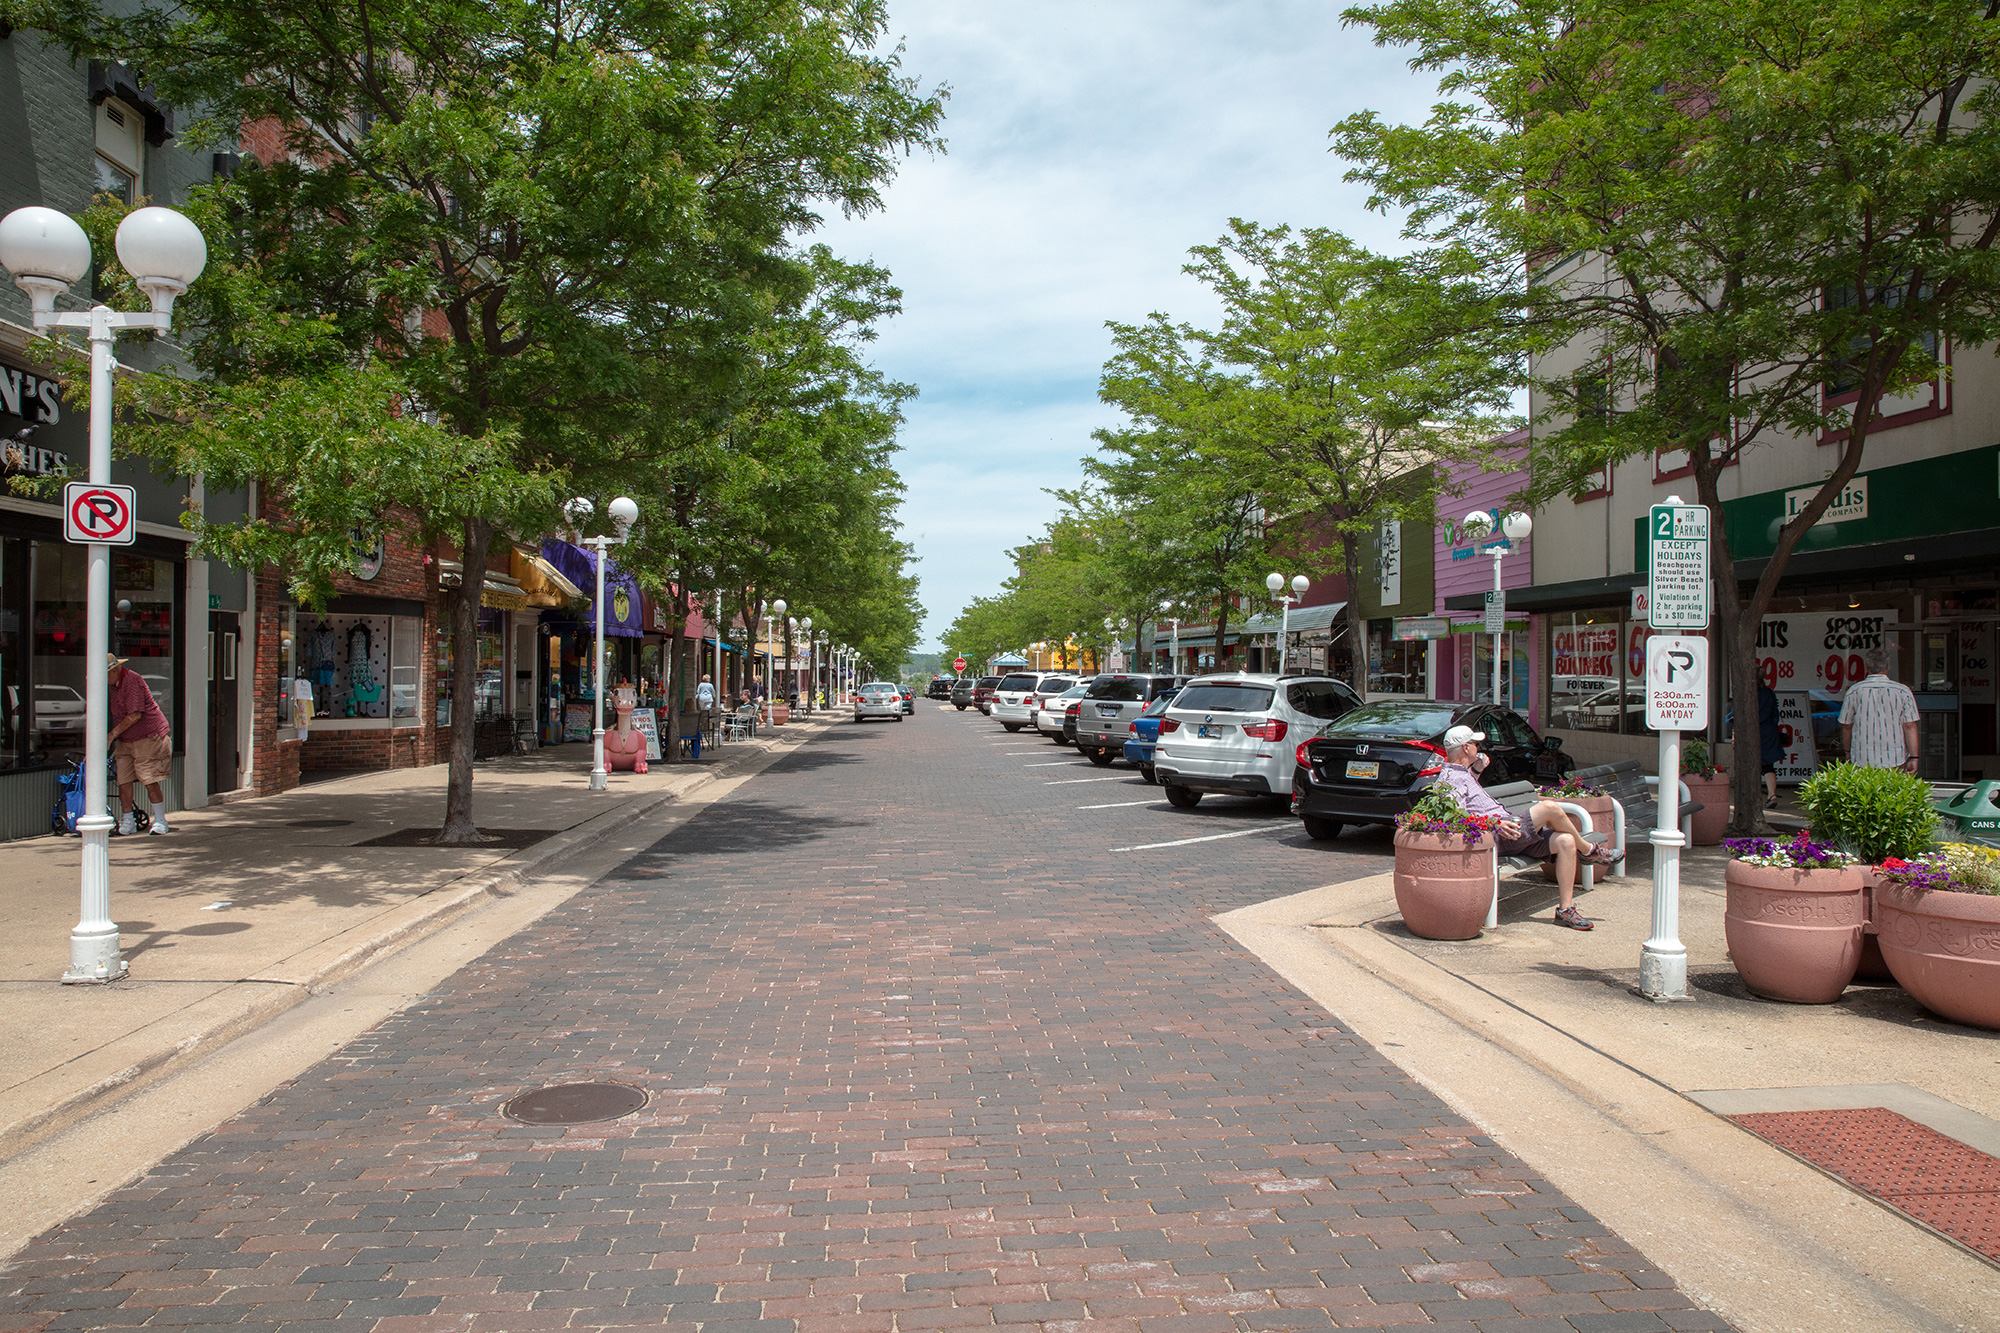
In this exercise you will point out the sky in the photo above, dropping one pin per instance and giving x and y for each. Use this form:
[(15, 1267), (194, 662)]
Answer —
[(1089, 144)]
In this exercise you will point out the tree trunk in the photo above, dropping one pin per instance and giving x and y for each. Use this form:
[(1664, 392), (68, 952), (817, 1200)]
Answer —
[(1357, 628), (1221, 626), (670, 743), (459, 828)]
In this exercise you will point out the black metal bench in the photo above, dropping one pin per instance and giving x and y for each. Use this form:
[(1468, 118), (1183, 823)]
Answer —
[(1635, 798)]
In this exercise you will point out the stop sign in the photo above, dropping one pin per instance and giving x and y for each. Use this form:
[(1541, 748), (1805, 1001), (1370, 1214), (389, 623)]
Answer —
[(958, 665)]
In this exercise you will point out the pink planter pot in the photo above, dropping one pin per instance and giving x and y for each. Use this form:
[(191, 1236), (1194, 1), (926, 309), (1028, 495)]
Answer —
[(1944, 949), (1794, 935), (1443, 887), (1873, 966), (1712, 820)]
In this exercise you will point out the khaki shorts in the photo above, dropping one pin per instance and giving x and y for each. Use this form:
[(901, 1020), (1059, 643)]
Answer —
[(145, 760)]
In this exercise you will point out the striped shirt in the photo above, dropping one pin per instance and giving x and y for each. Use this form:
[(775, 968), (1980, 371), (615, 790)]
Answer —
[(1877, 708)]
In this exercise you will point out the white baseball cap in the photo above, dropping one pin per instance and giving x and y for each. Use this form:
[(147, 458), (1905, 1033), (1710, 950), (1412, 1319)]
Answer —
[(1459, 735)]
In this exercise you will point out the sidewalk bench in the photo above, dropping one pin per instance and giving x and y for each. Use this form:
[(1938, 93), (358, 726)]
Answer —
[(1518, 798), (1635, 799)]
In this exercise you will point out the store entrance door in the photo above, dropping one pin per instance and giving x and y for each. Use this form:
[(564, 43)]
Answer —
[(225, 648)]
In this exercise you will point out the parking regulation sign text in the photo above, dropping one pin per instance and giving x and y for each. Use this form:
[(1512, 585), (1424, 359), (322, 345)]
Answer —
[(1677, 575), (1677, 682), (98, 513)]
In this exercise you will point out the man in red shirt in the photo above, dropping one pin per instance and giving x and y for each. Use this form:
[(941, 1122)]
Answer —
[(144, 750)]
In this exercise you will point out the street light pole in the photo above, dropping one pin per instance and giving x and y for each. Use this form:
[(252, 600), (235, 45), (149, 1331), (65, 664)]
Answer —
[(47, 253), (1515, 527), (624, 512), (1276, 583)]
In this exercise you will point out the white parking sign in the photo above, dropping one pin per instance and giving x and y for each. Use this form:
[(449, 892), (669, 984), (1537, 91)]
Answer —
[(1676, 683)]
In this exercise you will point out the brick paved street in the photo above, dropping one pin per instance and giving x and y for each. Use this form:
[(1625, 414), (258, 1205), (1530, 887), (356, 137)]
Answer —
[(923, 1053)]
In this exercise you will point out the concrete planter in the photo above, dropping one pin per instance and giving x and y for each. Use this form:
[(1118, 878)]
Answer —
[(1712, 820), (1794, 935), (1599, 810), (781, 713), (1873, 966), (1944, 949), (1443, 886)]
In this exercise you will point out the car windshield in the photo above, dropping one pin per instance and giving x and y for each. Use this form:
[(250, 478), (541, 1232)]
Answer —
[(1159, 705), (1075, 692), (1412, 721), (1054, 686), (1017, 683), (1118, 689), (987, 682), (1225, 697)]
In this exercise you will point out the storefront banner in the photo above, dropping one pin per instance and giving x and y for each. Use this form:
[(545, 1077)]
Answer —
[(1801, 757), (1583, 657), (1422, 627), (645, 721), (1819, 650), (576, 722)]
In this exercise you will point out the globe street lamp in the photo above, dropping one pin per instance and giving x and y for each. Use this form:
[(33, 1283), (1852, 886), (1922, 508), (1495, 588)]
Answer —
[(47, 252), (1276, 583), (624, 513), (771, 614), (804, 691), (1173, 661), (1516, 527)]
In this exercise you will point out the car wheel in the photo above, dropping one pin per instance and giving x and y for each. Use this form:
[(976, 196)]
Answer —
[(1183, 798), (960, 707), (1102, 758), (1146, 772), (1011, 726), (1321, 830), (899, 717), (1060, 740)]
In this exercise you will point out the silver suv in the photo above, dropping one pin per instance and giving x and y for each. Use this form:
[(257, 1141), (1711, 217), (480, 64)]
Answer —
[(1111, 703), (1017, 697), (1240, 733)]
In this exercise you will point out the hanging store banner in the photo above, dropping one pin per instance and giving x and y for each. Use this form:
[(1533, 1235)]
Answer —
[(1820, 650)]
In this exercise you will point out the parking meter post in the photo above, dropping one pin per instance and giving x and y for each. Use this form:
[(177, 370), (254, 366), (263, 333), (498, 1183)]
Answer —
[(1663, 958)]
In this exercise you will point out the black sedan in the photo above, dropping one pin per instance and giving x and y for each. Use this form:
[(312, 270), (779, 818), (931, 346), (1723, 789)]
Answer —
[(1372, 764)]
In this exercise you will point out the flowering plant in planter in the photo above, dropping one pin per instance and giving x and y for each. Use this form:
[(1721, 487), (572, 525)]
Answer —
[(1440, 811), (1956, 867), (1801, 853), (1696, 761), (1573, 788)]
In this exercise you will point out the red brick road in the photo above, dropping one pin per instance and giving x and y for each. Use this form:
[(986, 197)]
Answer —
[(922, 1054)]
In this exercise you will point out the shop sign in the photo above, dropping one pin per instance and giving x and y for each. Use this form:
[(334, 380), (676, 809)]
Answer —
[(1850, 504), (645, 721), (34, 398), (1464, 545), (1642, 602), (1583, 658), (621, 606), (18, 459), (1390, 563), (1801, 757), (1819, 650), (369, 551), (1422, 627)]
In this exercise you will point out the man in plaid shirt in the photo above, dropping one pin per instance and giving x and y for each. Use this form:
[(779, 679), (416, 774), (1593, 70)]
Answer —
[(1878, 718)]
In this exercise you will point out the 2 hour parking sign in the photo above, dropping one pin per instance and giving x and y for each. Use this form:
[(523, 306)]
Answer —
[(97, 513)]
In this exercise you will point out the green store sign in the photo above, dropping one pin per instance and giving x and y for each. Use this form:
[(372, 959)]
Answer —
[(1956, 493)]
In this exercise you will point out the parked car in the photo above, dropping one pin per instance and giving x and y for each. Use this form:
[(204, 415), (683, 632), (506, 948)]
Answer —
[(1372, 764), (1049, 717), (1110, 705), (939, 688), (1014, 697), (878, 698), (1144, 734), (982, 693), (1237, 733), (961, 692)]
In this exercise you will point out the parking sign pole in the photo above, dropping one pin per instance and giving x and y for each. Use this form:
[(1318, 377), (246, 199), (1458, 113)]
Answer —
[(94, 955), (1676, 695)]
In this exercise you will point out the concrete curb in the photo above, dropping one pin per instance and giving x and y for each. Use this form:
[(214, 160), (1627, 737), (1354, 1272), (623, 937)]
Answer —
[(256, 1000), (1763, 1239)]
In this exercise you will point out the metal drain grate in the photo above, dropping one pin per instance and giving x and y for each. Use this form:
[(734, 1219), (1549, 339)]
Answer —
[(1931, 1176), (574, 1104)]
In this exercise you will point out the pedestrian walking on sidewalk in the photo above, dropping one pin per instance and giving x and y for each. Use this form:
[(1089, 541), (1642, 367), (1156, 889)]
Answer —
[(1770, 740), (1548, 833), (140, 741), (1878, 718)]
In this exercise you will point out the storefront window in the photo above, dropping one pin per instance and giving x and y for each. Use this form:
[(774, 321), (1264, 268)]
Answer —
[(288, 659), (1587, 682), (144, 624), (1396, 666), (405, 665), (442, 650), (489, 683), (14, 733)]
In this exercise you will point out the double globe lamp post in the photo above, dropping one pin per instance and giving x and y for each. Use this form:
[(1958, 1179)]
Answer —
[(1276, 583), (47, 253), (624, 513), (1515, 527)]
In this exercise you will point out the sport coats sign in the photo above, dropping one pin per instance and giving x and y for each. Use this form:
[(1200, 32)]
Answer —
[(1820, 650)]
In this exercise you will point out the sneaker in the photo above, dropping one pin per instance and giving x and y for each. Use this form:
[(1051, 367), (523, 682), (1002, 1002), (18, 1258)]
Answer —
[(159, 827), (1602, 856), (1575, 920), (128, 826)]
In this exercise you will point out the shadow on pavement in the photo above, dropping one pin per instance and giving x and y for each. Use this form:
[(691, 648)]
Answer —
[(745, 826)]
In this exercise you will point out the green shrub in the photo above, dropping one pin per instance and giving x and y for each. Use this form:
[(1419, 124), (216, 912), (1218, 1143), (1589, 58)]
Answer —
[(1875, 813), (1695, 759)]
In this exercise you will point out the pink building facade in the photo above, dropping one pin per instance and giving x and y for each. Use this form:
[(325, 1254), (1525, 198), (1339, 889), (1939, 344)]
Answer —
[(1464, 571)]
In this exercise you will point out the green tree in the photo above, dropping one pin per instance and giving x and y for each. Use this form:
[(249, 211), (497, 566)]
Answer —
[(1774, 201), (539, 176)]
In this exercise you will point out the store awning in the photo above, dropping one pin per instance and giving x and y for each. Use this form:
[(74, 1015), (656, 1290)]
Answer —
[(544, 584), (622, 615), (1303, 620), (499, 592)]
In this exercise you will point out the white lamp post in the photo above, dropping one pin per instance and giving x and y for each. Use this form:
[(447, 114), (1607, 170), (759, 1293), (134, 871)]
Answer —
[(772, 614), (1173, 658), (804, 690), (47, 252), (624, 513), (1276, 583), (1515, 527)]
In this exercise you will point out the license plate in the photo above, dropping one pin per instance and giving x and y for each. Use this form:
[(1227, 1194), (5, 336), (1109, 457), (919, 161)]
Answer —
[(1210, 732), (1364, 768), (1107, 710)]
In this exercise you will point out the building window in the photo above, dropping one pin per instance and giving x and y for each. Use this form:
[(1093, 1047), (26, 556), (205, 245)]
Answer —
[(121, 151), (1845, 381), (1396, 667)]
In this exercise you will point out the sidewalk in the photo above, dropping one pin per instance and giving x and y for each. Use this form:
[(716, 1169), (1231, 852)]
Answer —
[(1537, 1032), (247, 908)]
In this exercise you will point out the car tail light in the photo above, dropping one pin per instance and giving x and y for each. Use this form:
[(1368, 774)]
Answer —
[(1436, 768), (1300, 755), (1168, 726), (1132, 727), (1072, 710), (1270, 729)]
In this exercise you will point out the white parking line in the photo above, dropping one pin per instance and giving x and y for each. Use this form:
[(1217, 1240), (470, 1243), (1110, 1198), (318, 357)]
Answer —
[(1119, 805), (1064, 782), (1060, 763), (1213, 837)]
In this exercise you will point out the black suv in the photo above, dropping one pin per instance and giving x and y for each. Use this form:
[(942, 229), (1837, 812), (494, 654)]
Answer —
[(939, 688), (1104, 722)]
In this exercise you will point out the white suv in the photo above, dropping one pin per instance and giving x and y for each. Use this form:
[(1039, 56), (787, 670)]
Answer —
[(1018, 696), (1238, 733)]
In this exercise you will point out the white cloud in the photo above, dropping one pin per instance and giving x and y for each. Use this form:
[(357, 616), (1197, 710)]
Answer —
[(1090, 144)]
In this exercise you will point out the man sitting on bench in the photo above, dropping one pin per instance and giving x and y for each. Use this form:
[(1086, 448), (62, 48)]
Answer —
[(1550, 832)]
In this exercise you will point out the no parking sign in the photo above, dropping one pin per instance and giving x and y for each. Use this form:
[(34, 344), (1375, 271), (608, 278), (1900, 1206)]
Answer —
[(98, 513)]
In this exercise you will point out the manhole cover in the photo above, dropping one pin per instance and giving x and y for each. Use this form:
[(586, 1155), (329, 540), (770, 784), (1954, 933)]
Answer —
[(319, 823), (575, 1103)]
